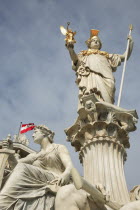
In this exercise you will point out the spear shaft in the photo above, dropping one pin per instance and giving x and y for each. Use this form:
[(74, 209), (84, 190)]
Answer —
[(124, 66)]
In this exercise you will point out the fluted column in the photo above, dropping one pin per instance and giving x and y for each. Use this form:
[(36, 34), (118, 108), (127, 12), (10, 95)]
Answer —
[(100, 134), (103, 160)]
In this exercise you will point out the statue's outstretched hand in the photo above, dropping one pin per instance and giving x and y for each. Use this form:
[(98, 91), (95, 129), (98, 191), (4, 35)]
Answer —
[(63, 179), (103, 190)]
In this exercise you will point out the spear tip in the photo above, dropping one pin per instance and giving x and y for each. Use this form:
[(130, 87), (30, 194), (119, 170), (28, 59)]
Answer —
[(131, 27)]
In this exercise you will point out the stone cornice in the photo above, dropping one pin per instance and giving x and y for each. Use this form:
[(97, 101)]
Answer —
[(19, 146)]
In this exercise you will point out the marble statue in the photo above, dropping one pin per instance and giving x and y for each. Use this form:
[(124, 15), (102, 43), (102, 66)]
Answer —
[(94, 68), (36, 178), (42, 181), (100, 132)]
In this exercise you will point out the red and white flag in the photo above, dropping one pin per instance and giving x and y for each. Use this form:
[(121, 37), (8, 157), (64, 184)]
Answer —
[(26, 127)]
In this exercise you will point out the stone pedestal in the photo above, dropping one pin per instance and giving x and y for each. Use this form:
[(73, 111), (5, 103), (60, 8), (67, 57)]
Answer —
[(100, 134)]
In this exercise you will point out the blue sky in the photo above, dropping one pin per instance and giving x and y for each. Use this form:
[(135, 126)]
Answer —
[(36, 81)]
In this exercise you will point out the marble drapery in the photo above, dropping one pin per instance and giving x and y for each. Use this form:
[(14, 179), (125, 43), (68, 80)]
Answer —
[(94, 75), (31, 186)]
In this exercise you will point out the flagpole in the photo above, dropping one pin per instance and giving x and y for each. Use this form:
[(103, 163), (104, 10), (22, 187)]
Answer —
[(19, 130), (124, 66)]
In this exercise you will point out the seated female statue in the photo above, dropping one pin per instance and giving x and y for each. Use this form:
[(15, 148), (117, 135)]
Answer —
[(38, 178)]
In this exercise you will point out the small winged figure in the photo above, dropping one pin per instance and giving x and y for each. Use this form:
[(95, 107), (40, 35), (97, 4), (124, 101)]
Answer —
[(69, 34)]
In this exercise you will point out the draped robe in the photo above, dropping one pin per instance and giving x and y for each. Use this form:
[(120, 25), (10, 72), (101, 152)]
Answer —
[(94, 75), (30, 186)]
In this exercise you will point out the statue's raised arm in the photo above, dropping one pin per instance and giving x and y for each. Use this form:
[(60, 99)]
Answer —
[(72, 53), (70, 41)]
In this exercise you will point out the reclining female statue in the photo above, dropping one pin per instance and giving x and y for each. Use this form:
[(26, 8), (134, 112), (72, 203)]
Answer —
[(40, 177)]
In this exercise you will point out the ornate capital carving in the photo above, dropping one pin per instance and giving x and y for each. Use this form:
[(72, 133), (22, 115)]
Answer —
[(101, 120)]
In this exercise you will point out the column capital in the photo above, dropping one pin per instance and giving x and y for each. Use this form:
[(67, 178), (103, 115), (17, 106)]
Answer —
[(101, 120)]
